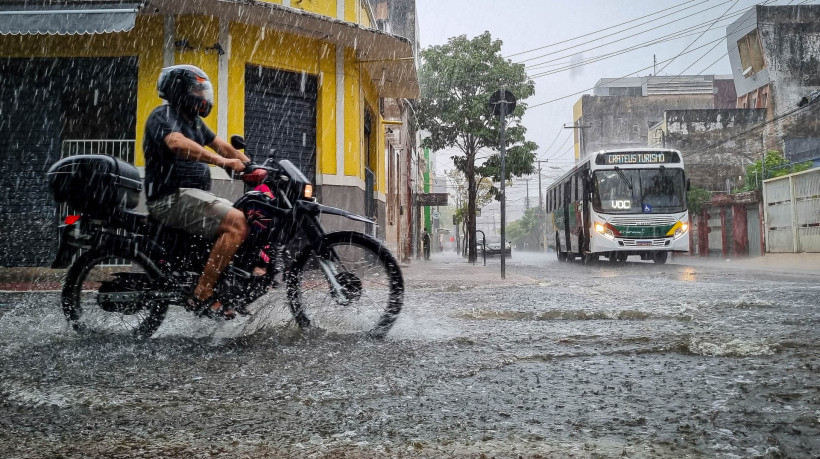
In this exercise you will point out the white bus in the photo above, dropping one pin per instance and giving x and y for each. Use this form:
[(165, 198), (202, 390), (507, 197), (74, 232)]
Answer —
[(617, 203)]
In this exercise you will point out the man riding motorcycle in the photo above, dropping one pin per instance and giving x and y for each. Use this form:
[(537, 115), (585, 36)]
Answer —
[(177, 177)]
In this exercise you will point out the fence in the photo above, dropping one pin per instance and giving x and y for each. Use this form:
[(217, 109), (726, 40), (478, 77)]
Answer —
[(792, 212)]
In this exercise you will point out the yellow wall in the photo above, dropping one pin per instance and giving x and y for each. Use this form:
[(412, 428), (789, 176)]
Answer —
[(143, 41), (326, 112), (354, 114), (201, 32), (269, 48), (323, 7), (577, 112), (355, 10), (371, 97), (249, 44)]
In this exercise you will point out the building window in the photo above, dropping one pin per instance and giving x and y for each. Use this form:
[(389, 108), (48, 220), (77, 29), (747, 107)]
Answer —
[(751, 55)]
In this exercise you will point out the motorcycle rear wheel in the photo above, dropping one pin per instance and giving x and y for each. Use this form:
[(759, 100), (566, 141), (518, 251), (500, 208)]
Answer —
[(108, 293), (372, 287)]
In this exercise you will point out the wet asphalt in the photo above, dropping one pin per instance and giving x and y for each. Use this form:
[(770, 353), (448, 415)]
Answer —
[(556, 360)]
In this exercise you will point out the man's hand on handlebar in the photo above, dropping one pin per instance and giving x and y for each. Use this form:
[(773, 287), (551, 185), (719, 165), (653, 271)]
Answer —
[(233, 164)]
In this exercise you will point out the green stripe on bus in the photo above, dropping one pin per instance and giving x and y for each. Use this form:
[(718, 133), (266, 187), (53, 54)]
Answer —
[(643, 231)]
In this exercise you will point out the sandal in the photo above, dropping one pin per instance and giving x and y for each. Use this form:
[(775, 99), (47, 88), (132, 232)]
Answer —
[(204, 308)]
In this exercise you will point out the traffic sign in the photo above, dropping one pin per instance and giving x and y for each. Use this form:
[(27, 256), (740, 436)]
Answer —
[(496, 102)]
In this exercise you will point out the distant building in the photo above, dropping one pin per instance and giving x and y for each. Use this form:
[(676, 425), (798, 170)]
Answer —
[(621, 110), (775, 56), (714, 147)]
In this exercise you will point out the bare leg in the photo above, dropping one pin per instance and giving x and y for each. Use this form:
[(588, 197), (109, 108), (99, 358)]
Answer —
[(232, 231)]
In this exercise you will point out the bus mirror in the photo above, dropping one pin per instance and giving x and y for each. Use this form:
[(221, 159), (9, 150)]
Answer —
[(688, 184)]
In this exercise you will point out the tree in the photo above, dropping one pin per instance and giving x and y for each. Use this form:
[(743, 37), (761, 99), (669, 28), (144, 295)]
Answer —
[(524, 232), (770, 166), (457, 80), (458, 182)]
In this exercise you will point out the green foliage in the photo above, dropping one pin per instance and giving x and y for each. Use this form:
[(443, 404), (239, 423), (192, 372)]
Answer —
[(775, 165), (457, 80), (526, 230), (696, 199), (458, 184)]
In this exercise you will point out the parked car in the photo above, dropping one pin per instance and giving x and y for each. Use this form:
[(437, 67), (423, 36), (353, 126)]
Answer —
[(494, 248)]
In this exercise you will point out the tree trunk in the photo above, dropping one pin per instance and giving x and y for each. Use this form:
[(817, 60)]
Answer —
[(470, 217)]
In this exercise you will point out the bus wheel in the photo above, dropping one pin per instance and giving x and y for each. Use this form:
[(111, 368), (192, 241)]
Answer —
[(617, 258), (590, 258), (660, 257)]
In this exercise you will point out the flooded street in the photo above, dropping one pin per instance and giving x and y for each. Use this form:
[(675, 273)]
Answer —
[(687, 359)]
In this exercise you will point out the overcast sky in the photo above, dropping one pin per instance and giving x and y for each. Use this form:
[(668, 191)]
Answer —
[(529, 24)]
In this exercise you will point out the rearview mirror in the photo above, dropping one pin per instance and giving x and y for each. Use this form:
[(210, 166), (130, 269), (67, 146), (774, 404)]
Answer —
[(688, 184), (238, 142)]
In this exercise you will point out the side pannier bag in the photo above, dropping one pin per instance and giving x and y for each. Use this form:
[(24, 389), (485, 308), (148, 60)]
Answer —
[(94, 183)]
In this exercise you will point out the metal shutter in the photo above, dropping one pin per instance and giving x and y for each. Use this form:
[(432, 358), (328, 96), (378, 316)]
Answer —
[(280, 116), (41, 102)]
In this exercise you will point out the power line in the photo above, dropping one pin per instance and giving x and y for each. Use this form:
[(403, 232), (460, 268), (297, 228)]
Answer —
[(562, 145), (655, 41), (624, 38), (553, 141), (600, 58), (616, 79), (664, 38), (606, 28), (696, 39)]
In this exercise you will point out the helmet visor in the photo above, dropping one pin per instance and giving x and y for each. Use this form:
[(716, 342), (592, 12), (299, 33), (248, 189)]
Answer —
[(204, 90)]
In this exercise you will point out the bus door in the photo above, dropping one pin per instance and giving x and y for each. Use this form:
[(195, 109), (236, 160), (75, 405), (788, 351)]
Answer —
[(567, 202), (586, 184)]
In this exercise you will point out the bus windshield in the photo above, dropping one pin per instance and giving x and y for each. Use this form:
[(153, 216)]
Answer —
[(631, 191)]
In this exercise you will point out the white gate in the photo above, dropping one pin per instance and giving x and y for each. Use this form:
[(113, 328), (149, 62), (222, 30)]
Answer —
[(792, 212)]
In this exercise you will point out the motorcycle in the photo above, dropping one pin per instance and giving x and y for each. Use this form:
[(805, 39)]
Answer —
[(125, 270)]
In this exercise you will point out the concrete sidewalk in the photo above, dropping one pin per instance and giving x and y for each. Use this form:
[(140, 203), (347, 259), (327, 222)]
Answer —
[(450, 269), (795, 263)]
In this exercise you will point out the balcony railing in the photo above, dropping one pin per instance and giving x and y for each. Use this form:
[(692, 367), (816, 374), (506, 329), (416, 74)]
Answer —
[(118, 148)]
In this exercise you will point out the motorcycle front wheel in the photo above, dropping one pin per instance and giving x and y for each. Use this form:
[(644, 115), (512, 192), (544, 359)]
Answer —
[(112, 293), (355, 287)]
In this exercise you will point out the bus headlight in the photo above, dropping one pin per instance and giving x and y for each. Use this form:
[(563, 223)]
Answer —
[(680, 229), (604, 230)]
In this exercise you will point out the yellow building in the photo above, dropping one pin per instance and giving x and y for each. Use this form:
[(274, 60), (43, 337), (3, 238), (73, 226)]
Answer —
[(300, 79)]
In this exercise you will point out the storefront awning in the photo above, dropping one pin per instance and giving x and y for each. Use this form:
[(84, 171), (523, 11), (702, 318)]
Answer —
[(67, 19), (388, 58)]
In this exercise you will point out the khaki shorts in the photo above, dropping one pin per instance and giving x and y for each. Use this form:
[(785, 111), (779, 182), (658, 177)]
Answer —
[(192, 210)]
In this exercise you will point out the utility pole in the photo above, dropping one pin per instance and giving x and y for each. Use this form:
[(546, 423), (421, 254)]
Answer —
[(581, 128), (499, 101), (527, 200), (541, 215)]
